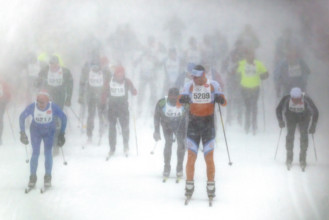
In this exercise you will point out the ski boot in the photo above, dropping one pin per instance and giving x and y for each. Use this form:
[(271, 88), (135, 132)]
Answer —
[(303, 165), (165, 176), (189, 189), (32, 181), (47, 180), (211, 191), (179, 176)]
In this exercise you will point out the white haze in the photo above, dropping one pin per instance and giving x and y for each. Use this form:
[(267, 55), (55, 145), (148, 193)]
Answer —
[(70, 28)]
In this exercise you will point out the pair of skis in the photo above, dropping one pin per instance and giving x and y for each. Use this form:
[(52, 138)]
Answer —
[(289, 165), (188, 199), (178, 179), (42, 189)]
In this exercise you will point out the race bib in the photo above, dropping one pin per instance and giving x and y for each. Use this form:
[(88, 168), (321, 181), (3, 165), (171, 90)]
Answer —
[(117, 89), (56, 78), (294, 71), (250, 70), (43, 117), (201, 94), (96, 79), (297, 108), (173, 111)]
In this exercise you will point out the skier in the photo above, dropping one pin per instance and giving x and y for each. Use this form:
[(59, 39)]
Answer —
[(58, 81), (173, 68), (201, 94), (4, 99), (298, 108), (251, 72), (172, 117), (42, 128), (92, 83), (291, 72), (116, 89)]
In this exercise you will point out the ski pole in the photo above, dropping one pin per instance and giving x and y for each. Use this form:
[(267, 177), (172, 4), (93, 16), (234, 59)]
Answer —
[(221, 119), (135, 134), (263, 105), (277, 146), (155, 145), (64, 161), (11, 125), (76, 115), (27, 156), (316, 157)]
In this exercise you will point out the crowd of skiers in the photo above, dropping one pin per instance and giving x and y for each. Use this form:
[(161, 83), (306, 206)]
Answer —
[(194, 81)]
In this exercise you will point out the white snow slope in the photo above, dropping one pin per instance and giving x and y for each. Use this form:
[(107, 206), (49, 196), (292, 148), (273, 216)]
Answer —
[(255, 187)]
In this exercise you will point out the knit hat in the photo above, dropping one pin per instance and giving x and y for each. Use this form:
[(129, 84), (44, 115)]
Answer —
[(296, 93)]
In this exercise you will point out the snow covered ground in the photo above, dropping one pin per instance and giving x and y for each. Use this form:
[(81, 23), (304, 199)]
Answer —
[(255, 187)]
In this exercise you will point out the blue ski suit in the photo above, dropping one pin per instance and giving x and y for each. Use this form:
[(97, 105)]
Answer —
[(43, 127)]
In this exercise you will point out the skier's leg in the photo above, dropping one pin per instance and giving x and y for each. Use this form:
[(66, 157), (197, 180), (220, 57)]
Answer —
[(123, 117), (254, 109), (48, 143), (192, 152), (112, 130), (2, 111), (180, 153), (35, 142), (291, 127), (303, 127), (168, 136), (91, 118)]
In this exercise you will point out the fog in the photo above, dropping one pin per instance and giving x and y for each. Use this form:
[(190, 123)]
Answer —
[(120, 30)]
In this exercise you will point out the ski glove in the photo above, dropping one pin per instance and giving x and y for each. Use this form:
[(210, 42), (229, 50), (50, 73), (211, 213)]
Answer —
[(185, 99), (312, 128), (61, 140), (282, 124), (24, 138), (156, 136), (220, 99)]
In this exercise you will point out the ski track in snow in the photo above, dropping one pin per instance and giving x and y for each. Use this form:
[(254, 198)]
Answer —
[(255, 187)]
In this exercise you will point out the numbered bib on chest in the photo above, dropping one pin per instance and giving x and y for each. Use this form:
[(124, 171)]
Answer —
[(201, 94), (117, 89), (297, 108), (173, 111), (250, 70), (43, 117), (96, 79), (294, 71), (56, 78)]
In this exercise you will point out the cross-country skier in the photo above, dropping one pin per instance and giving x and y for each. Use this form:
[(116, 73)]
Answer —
[(4, 99), (251, 72), (172, 117), (92, 83), (42, 129), (58, 81), (116, 89), (298, 109), (201, 94)]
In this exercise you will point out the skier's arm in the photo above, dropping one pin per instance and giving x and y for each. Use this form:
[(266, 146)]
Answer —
[(279, 108), (59, 113), (69, 86), (131, 87), (315, 111), (157, 116), (28, 111)]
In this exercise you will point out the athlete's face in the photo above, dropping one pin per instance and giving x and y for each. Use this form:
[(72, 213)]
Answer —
[(199, 80), (296, 100), (42, 103), (172, 99), (53, 67)]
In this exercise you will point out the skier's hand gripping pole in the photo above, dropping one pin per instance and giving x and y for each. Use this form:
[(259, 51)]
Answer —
[(221, 119)]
